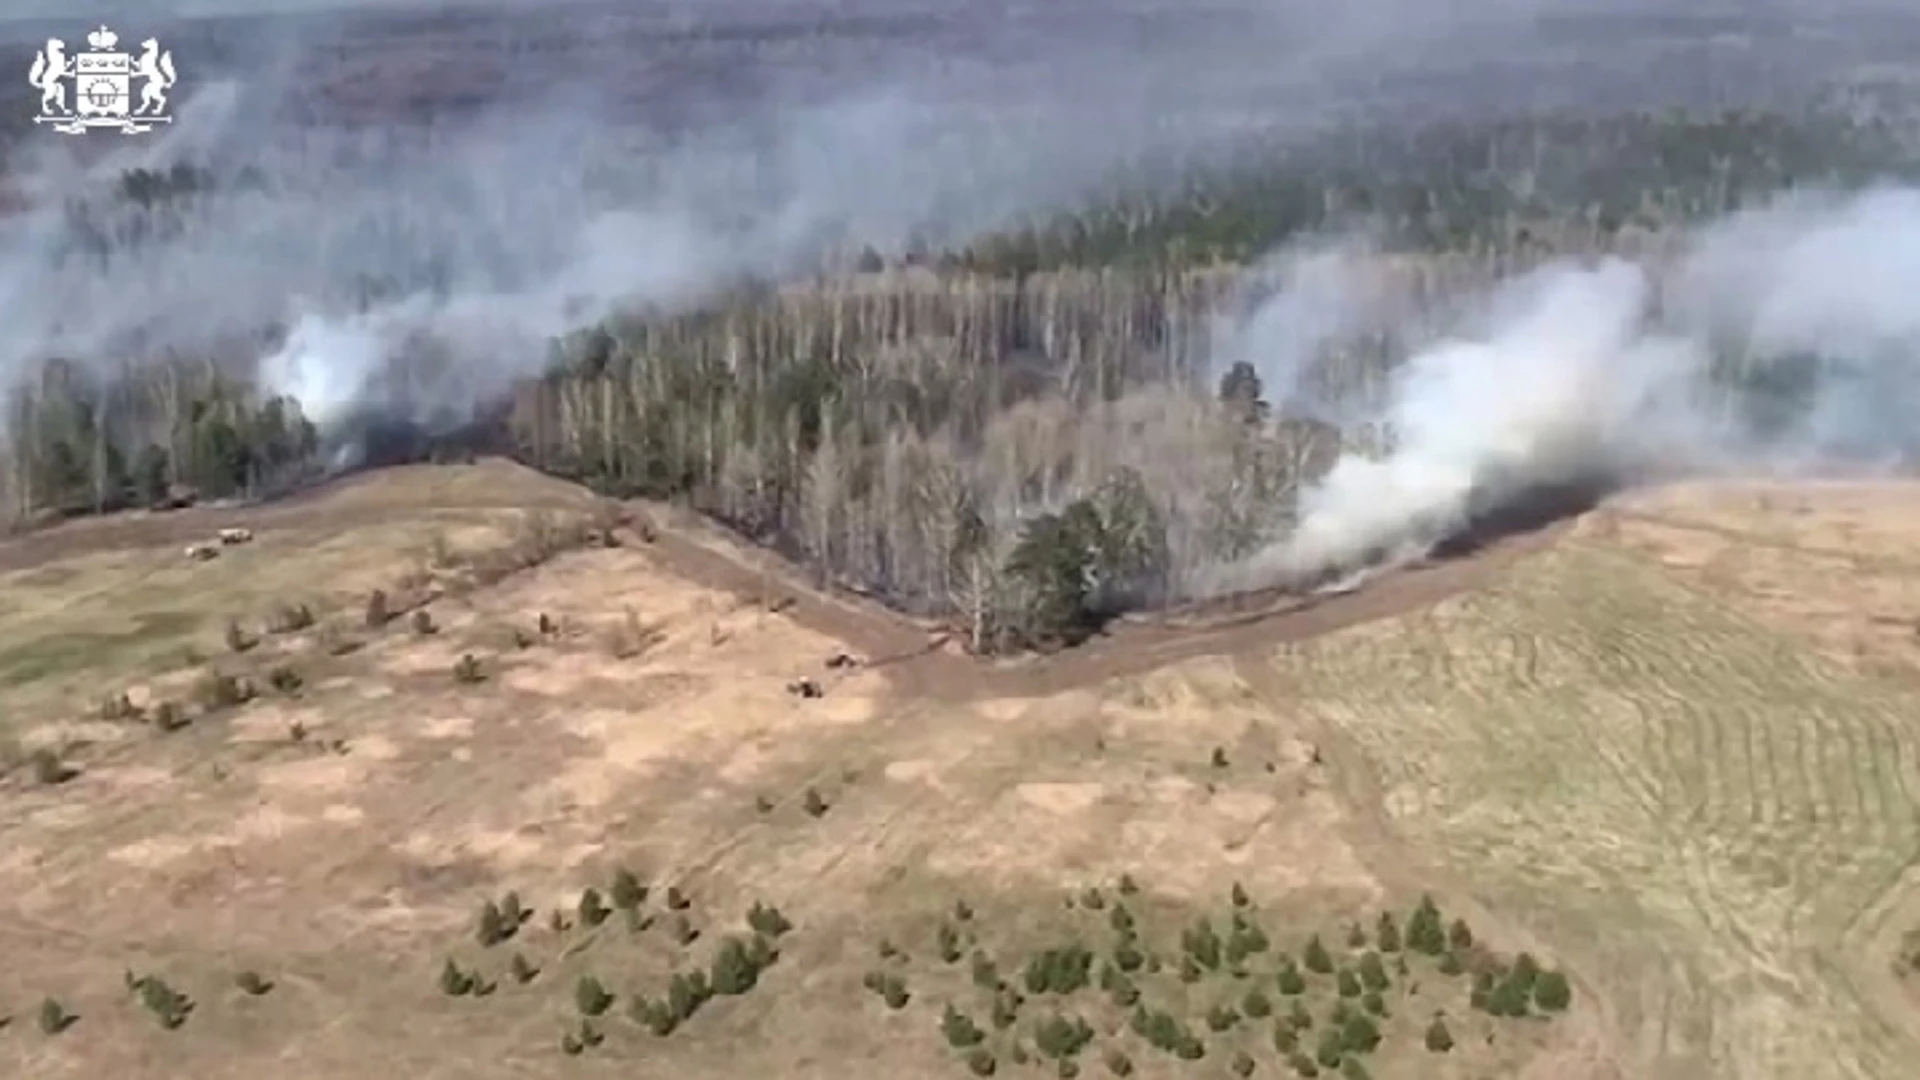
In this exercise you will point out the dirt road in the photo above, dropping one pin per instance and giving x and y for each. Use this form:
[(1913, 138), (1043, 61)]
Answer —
[(916, 659)]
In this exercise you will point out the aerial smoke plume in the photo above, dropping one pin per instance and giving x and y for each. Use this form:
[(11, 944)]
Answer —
[(645, 155), (636, 158), (1783, 338), (330, 251)]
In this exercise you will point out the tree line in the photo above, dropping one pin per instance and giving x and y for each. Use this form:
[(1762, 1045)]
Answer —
[(1025, 435), (80, 442)]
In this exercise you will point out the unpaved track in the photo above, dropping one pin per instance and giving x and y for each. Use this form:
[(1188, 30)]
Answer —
[(319, 507), (920, 666), (916, 660)]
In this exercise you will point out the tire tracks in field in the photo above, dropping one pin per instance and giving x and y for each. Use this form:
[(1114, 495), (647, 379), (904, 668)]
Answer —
[(1779, 796), (1396, 860)]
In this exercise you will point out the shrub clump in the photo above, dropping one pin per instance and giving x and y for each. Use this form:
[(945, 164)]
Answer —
[(1060, 1038), (1203, 945), (1165, 1033), (1386, 933), (467, 670), (168, 1006), (54, 1017), (168, 717), (492, 926), (1316, 957), (889, 987), (217, 690), (1552, 992), (289, 619), (959, 1030), (737, 966), (237, 639), (48, 768), (626, 892), (590, 996), (284, 679), (1425, 933), (592, 909), (1059, 971), (455, 982), (767, 921)]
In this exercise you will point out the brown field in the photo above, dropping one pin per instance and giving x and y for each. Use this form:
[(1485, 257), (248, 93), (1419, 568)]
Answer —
[(1669, 749)]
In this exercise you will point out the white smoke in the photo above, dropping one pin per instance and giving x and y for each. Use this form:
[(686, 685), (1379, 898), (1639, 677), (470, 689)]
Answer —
[(1579, 373), (479, 238), (646, 162), (1296, 304)]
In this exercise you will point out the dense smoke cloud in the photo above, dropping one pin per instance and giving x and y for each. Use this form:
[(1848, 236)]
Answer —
[(633, 156), (1783, 338), (607, 181), (493, 239), (644, 154), (415, 266)]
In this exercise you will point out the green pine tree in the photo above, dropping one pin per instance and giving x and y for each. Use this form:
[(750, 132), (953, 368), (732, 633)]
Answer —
[(1316, 957), (734, 972), (1459, 935), (1348, 983), (960, 1030), (1552, 992), (1373, 971), (1387, 933), (626, 891), (1332, 1048), (1290, 981)]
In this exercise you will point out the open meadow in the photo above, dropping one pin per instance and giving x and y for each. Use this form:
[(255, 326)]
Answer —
[(1655, 796)]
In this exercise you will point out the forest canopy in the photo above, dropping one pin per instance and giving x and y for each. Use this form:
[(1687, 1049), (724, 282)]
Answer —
[(1026, 433)]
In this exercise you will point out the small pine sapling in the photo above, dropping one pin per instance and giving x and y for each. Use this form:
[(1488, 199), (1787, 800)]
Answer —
[(453, 981), (734, 972), (592, 909), (947, 944), (521, 969), (491, 926), (1316, 957), (590, 996), (767, 921), (959, 1029), (1387, 933), (626, 892)]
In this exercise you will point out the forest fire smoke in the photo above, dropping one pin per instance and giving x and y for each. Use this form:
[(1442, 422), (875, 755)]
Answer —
[(1606, 372)]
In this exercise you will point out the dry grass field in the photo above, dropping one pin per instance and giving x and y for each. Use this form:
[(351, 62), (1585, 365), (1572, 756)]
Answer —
[(1667, 751)]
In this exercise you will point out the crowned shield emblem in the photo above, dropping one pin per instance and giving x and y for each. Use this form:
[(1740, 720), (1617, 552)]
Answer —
[(95, 89), (102, 81)]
